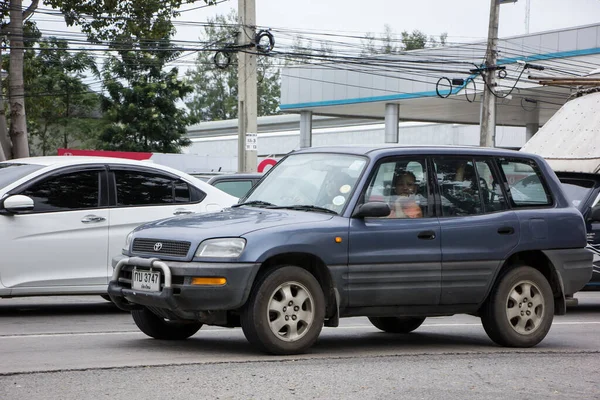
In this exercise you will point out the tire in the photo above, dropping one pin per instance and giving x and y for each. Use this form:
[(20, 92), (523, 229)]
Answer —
[(292, 327), (159, 328), (520, 309), (397, 324)]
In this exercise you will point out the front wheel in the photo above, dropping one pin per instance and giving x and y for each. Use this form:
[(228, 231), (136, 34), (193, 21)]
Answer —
[(285, 311), (159, 328), (520, 308), (397, 324)]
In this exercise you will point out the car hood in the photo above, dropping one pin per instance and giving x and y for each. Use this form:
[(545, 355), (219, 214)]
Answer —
[(230, 222)]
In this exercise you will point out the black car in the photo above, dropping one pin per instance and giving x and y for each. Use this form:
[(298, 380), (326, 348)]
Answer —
[(583, 190), (235, 184)]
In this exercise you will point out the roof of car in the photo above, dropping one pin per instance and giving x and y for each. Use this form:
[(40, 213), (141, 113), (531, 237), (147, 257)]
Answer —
[(69, 160), (410, 149)]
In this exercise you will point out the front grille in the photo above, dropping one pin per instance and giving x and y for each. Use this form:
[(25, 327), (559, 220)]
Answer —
[(162, 247)]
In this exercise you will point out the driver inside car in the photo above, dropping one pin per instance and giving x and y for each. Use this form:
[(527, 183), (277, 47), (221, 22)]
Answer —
[(404, 204)]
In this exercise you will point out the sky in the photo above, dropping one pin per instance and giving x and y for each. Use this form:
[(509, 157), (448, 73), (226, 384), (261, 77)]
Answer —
[(463, 20)]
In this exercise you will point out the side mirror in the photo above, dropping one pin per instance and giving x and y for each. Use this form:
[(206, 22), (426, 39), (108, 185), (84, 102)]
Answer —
[(595, 214), (372, 209), (17, 203)]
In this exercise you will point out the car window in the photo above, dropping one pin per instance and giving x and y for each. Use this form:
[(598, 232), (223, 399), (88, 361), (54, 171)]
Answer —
[(237, 188), (459, 186), (525, 183), (141, 188), (70, 191), (577, 190), (491, 191), (311, 179), (12, 172), (402, 183)]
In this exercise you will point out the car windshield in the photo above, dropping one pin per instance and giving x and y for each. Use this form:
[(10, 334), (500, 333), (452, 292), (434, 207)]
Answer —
[(12, 172), (317, 180), (577, 190)]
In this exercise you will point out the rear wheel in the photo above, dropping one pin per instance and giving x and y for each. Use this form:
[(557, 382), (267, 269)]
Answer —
[(397, 324), (160, 328), (285, 311), (520, 308)]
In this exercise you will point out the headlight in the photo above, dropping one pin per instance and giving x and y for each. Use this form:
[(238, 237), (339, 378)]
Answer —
[(127, 242), (223, 247)]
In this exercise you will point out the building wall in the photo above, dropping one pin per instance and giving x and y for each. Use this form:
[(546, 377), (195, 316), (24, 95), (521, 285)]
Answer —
[(221, 151)]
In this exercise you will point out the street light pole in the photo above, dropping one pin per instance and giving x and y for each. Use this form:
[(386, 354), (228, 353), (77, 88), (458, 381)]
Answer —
[(487, 134), (247, 91)]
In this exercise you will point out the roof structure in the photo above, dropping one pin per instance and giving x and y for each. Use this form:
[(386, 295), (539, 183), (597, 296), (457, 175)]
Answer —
[(570, 140), (415, 78)]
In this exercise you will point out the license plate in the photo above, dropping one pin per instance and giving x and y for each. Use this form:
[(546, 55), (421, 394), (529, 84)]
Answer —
[(145, 280)]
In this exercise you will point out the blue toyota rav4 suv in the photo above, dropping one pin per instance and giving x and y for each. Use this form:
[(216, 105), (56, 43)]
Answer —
[(396, 234)]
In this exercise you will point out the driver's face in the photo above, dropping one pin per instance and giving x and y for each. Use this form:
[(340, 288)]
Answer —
[(405, 185)]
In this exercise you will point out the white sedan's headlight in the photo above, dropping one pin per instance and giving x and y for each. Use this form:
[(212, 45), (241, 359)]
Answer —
[(222, 247), (127, 242)]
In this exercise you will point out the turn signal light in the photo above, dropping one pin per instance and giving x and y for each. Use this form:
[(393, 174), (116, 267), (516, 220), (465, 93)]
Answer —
[(209, 281)]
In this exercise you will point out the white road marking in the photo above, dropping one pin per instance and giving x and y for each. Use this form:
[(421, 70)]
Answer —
[(218, 330)]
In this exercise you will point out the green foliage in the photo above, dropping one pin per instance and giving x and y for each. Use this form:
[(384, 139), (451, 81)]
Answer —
[(387, 43), (111, 20), (60, 107), (215, 90), (141, 107)]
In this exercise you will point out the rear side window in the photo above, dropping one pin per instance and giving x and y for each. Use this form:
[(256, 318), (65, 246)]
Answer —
[(525, 183), (66, 192), (141, 188), (459, 186)]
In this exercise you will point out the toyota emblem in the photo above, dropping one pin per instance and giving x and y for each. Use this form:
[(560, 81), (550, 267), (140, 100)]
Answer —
[(157, 246)]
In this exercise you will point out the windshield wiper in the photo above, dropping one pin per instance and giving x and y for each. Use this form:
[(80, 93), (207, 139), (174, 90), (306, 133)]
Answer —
[(254, 203), (305, 207)]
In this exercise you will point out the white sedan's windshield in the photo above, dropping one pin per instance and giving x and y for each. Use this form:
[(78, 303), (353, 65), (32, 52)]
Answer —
[(311, 179), (11, 172)]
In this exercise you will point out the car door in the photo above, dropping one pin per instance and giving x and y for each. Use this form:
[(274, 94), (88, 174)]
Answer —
[(396, 260), (478, 231), (140, 195), (61, 245)]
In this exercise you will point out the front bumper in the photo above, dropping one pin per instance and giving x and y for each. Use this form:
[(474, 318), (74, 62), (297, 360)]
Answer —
[(177, 294)]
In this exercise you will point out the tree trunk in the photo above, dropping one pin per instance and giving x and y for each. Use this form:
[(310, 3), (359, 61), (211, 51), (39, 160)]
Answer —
[(18, 125), (5, 145)]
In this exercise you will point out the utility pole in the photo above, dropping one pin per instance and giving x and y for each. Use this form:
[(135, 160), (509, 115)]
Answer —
[(247, 92), (487, 134)]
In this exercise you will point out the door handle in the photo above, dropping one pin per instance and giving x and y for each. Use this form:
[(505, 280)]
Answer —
[(92, 219), (182, 211), (506, 230), (426, 235)]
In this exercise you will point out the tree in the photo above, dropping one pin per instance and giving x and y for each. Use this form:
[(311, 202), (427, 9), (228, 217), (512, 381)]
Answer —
[(142, 114), (99, 19), (141, 105), (388, 44), (415, 40), (57, 99), (16, 142), (215, 89)]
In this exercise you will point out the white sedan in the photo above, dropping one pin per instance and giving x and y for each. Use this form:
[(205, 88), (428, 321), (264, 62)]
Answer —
[(57, 211)]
